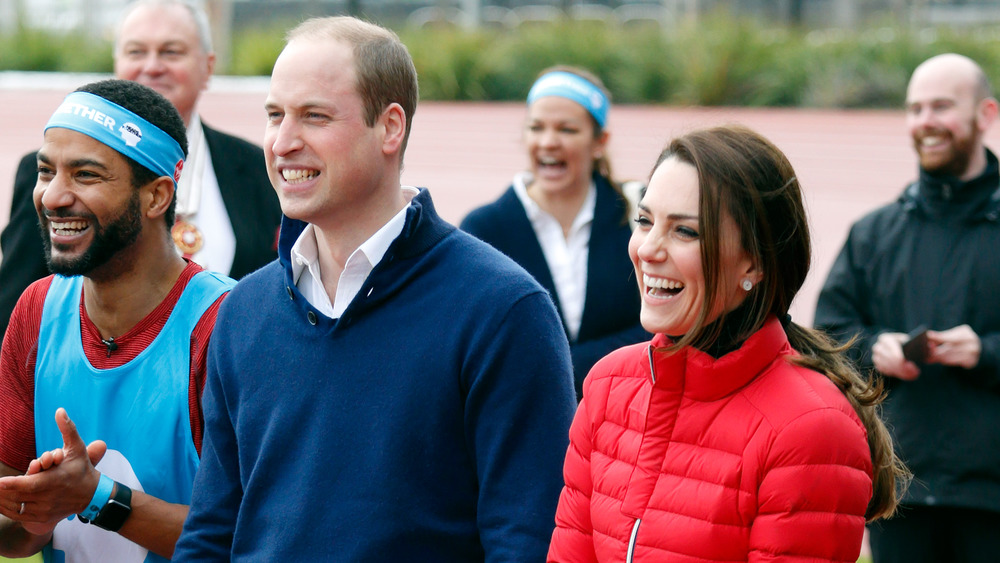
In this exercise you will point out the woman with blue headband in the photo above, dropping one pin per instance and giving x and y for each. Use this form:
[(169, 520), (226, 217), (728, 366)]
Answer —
[(565, 218)]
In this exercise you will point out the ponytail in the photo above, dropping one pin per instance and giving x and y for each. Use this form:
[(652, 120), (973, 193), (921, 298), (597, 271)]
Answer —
[(746, 177), (820, 353)]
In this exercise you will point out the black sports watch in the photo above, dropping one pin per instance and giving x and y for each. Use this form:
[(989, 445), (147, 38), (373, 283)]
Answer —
[(117, 510)]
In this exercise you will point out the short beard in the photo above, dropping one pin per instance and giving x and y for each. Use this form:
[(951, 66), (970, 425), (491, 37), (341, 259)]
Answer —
[(961, 155), (118, 235)]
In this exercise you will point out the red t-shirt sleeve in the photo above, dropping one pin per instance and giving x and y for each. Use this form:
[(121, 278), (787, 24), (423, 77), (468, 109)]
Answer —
[(199, 362), (17, 378)]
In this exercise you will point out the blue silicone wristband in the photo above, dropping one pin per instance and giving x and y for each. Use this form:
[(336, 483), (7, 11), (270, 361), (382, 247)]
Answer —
[(101, 497)]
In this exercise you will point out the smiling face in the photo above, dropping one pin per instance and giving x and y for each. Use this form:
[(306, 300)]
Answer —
[(561, 143), (944, 114), (666, 252), (324, 161), (88, 210), (159, 47)]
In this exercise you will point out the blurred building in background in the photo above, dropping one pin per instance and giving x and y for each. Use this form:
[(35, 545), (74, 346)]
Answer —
[(98, 17)]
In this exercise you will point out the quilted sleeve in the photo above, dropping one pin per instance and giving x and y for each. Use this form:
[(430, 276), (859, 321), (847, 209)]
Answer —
[(815, 484), (573, 539)]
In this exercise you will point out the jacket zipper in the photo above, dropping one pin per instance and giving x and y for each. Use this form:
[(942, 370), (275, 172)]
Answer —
[(635, 527), (652, 372), (631, 540)]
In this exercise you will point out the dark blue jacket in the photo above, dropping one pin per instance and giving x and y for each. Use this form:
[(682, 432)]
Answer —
[(428, 423), (611, 306)]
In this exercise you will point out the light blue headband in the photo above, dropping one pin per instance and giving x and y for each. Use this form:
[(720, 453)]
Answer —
[(572, 87), (122, 130)]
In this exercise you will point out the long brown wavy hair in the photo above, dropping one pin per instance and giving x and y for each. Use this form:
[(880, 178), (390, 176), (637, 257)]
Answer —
[(744, 176)]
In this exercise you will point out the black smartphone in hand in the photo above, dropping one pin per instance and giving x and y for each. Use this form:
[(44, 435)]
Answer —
[(915, 349)]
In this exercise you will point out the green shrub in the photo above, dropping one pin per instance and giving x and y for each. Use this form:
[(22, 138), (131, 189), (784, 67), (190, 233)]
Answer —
[(253, 51), (655, 72), (523, 55), (34, 50), (737, 62), (449, 63), (716, 60)]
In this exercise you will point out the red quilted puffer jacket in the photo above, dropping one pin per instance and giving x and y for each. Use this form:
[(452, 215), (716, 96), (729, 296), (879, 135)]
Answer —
[(686, 458)]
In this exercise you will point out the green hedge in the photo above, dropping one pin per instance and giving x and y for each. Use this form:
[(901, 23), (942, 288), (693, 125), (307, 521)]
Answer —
[(46, 51), (716, 61)]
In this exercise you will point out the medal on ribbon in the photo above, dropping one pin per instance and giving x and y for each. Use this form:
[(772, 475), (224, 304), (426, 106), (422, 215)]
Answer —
[(187, 238)]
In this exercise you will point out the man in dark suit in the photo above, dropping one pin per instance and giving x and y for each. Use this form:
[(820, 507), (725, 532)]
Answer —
[(227, 212)]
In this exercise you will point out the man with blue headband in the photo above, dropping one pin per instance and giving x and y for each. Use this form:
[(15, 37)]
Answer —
[(227, 213), (117, 337)]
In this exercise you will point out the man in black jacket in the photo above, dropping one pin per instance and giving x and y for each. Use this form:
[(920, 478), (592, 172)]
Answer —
[(919, 282), (227, 212)]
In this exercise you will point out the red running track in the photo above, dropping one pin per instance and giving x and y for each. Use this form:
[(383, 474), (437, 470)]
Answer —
[(466, 153)]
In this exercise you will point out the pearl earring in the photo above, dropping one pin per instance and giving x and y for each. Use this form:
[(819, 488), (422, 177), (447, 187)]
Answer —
[(747, 284)]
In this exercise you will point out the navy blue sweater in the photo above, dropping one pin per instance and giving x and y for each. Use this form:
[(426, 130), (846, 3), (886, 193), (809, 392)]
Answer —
[(428, 423)]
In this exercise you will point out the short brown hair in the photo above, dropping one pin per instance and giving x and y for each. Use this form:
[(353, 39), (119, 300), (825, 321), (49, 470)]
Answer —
[(384, 68)]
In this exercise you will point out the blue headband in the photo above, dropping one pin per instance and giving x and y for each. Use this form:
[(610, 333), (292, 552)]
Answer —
[(572, 87), (121, 130)]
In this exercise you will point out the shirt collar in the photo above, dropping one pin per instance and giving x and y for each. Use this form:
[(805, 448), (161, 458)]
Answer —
[(305, 252), (534, 211), (375, 247), (194, 124)]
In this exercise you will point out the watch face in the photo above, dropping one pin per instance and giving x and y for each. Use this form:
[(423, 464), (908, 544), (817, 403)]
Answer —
[(114, 514)]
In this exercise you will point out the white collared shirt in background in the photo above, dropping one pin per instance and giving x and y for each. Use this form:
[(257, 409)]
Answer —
[(361, 262), (206, 210), (566, 255)]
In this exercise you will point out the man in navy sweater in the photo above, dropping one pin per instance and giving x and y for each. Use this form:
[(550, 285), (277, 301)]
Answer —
[(391, 389)]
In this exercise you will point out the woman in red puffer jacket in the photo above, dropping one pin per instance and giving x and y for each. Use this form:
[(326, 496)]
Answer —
[(735, 434)]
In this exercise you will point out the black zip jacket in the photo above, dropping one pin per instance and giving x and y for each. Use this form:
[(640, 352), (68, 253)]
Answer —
[(931, 258)]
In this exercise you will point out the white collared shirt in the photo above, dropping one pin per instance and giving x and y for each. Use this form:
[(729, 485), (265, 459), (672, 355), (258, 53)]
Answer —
[(566, 255), (199, 202), (361, 262)]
